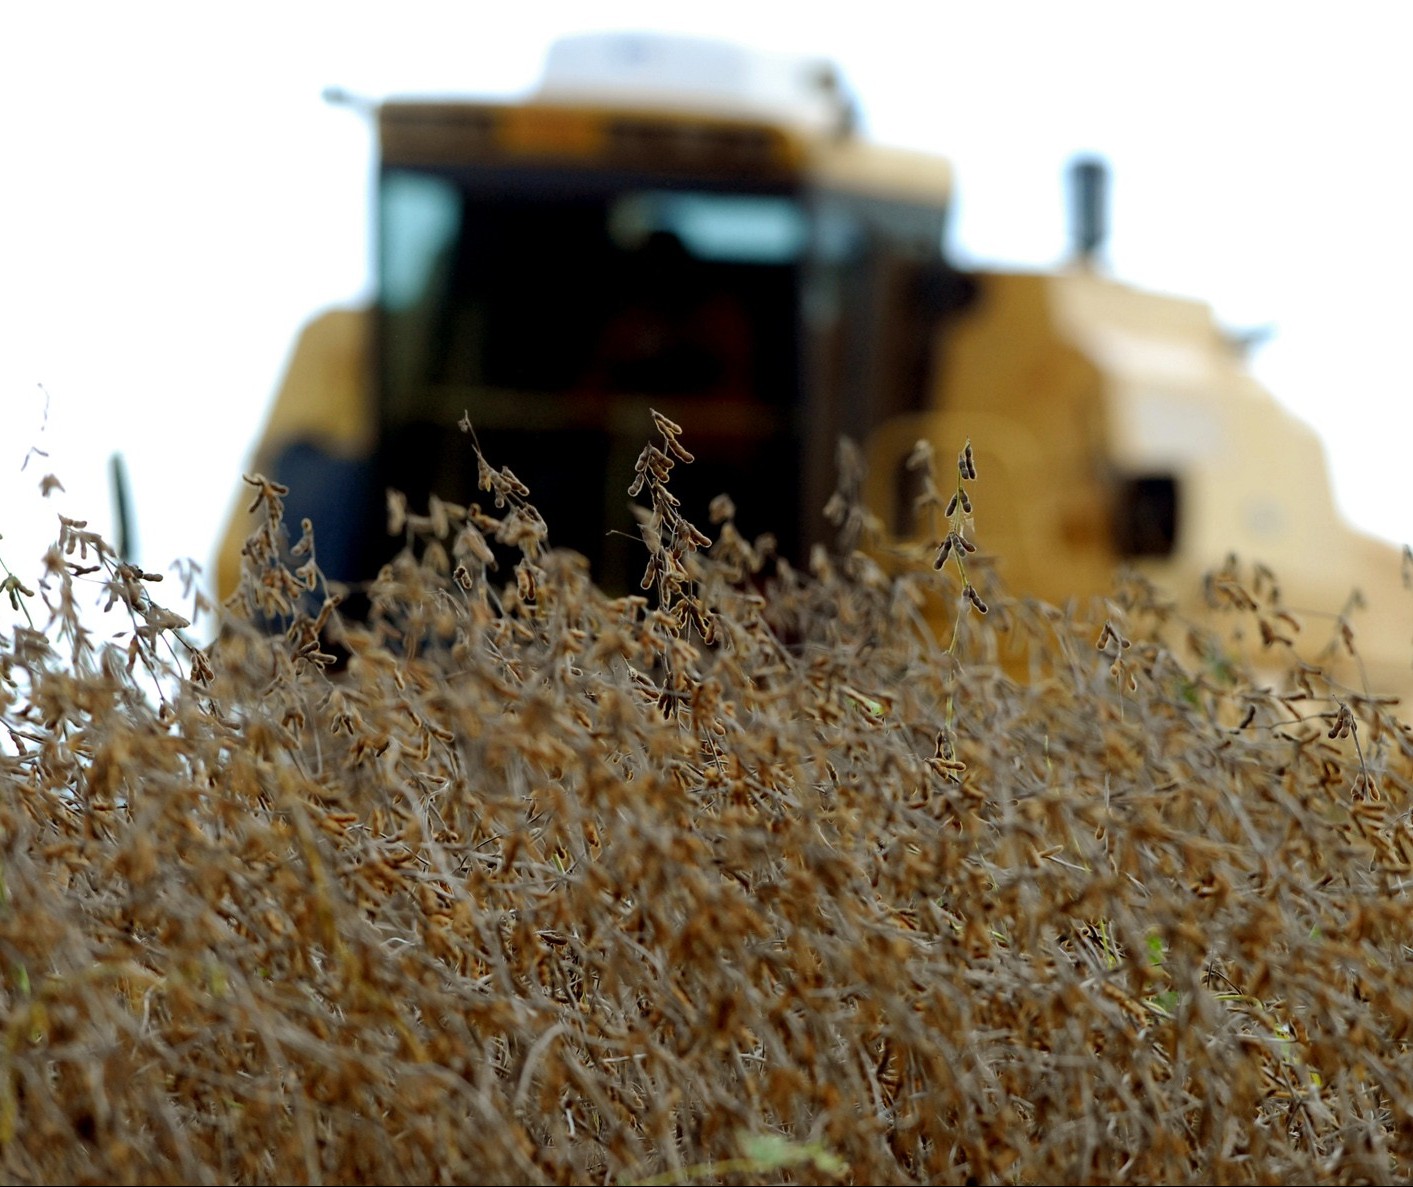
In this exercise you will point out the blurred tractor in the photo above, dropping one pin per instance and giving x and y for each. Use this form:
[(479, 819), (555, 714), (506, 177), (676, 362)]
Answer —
[(685, 226)]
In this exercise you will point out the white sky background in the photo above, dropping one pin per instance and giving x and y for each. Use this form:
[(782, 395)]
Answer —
[(177, 200)]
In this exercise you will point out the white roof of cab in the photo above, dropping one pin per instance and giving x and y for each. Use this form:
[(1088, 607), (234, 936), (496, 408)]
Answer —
[(663, 72)]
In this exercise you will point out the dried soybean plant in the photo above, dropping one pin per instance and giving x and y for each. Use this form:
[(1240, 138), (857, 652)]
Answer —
[(955, 543), (541, 884)]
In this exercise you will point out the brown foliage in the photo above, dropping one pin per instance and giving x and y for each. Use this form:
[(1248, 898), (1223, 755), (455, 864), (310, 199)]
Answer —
[(543, 885)]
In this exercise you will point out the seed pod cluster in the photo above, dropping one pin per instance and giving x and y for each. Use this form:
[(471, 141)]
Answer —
[(955, 543)]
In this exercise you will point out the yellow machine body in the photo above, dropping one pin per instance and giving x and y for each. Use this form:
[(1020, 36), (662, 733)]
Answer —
[(1110, 425)]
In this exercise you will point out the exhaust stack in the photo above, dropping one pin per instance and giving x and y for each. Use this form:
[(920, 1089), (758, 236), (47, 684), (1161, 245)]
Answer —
[(1089, 178)]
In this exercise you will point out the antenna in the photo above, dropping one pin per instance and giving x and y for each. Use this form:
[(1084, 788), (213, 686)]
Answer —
[(360, 104)]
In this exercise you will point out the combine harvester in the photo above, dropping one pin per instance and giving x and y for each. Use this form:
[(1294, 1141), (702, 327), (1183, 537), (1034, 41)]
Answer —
[(682, 225)]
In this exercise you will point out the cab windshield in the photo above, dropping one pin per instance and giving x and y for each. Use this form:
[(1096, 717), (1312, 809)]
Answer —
[(556, 319)]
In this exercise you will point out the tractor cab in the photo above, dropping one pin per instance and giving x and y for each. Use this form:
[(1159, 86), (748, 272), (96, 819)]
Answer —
[(552, 270)]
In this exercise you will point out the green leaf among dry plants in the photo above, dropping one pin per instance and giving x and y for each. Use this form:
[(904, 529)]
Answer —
[(746, 877)]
